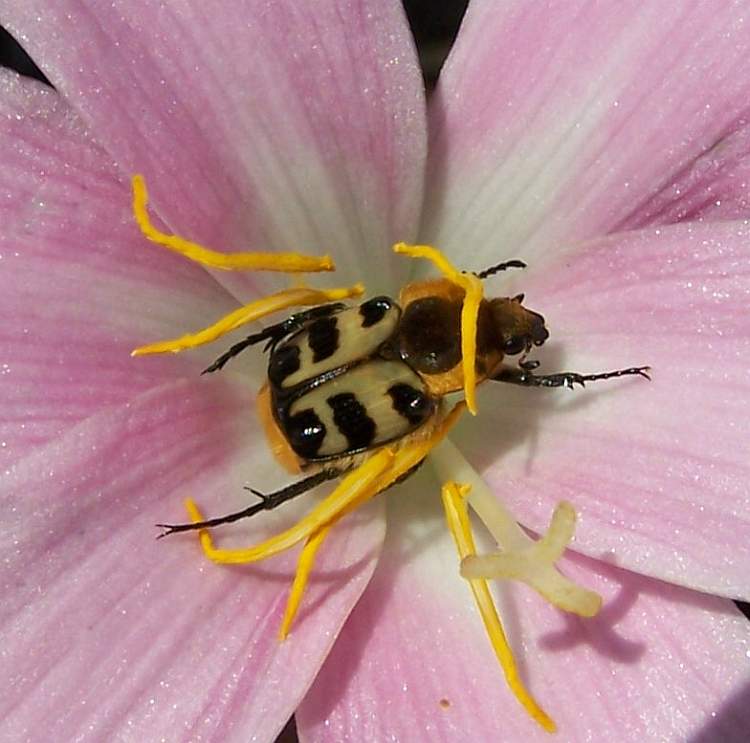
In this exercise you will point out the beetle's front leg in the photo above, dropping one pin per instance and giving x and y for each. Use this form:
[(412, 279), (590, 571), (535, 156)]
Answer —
[(524, 376), (275, 333)]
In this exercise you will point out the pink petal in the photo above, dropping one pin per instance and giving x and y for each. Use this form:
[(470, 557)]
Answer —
[(714, 186), (560, 121), (109, 634), (79, 286), (412, 663), (281, 126), (658, 471)]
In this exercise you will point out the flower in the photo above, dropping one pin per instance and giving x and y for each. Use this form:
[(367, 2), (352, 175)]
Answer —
[(555, 128)]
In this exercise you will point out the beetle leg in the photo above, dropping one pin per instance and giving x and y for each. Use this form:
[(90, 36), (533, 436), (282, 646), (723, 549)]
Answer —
[(526, 378), (251, 312), (268, 501), (274, 333), (408, 473), (528, 364), (236, 349), (373, 476)]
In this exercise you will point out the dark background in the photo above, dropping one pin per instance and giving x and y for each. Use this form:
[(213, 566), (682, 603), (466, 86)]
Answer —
[(434, 24)]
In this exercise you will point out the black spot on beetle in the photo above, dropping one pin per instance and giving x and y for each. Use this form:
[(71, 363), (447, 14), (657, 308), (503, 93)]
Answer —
[(373, 310), (284, 362), (323, 338), (305, 432), (351, 418), (410, 402)]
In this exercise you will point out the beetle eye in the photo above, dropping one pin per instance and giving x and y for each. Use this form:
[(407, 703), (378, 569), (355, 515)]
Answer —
[(515, 345)]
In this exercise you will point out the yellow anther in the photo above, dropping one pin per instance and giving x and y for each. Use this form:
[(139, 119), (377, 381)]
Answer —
[(285, 262), (473, 294), (457, 516), (249, 313), (304, 568)]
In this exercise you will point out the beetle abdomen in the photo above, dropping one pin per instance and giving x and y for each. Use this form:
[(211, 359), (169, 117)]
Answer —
[(372, 403)]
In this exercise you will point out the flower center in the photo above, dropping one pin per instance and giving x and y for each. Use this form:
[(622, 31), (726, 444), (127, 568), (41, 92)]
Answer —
[(519, 558)]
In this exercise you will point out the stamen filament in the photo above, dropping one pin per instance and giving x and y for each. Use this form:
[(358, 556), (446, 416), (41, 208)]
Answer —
[(457, 516), (304, 568), (522, 558), (285, 262), (297, 297), (473, 294)]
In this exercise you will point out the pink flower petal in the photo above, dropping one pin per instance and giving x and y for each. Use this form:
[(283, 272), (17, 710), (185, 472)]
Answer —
[(560, 121), (412, 663), (657, 470), (714, 186), (79, 285), (109, 634), (282, 126)]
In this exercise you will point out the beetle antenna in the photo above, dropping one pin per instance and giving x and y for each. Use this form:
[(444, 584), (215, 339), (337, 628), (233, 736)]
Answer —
[(492, 270)]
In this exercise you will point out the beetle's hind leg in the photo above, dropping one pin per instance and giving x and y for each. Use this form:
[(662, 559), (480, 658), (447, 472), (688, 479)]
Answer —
[(268, 501), (525, 376), (275, 333)]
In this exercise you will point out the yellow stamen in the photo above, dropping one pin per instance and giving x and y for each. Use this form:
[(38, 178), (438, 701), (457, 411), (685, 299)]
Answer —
[(304, 568), (457, 515), (469, 315), (377, 473), (522, 558), (282, 300), (473, 293), (286, 262)]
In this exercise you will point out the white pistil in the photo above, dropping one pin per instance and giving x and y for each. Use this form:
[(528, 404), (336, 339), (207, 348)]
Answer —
[(521, 558)]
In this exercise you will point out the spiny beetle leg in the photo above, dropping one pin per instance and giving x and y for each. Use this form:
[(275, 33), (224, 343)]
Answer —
[(274, 333), (526, 378), (268, 501)]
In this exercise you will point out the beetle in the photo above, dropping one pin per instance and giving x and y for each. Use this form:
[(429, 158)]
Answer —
[(358, 393), (346, 380)]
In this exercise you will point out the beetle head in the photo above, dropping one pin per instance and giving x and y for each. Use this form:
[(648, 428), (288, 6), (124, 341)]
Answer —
[(516, 328)]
